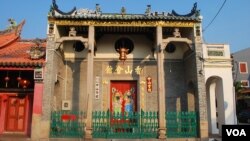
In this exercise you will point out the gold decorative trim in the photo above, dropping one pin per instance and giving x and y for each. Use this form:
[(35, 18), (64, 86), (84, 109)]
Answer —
[(124, 23)]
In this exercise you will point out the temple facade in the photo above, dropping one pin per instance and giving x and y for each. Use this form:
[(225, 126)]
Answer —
[(132, 76), (126, 64)]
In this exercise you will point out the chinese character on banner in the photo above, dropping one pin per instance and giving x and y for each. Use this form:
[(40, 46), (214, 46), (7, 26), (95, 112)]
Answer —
[(149, 84), (97, 87)]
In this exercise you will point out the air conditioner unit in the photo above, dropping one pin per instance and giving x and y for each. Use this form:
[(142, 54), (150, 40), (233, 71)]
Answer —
[(66, 105)]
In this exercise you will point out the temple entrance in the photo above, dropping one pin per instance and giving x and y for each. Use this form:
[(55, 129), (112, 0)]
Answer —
[(123, 97), (16, 113), (123, 105)]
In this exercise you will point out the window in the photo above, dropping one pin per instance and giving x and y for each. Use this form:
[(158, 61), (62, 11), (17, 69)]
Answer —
[(243, 67), (244, 83)]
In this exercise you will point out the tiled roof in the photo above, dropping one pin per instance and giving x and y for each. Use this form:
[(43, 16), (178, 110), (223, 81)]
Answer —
[(97, 14), (15, 52), (127, 17), (17, 55), (7, 38)]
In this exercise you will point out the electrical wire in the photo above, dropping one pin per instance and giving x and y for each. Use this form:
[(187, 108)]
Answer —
[(215, 16)]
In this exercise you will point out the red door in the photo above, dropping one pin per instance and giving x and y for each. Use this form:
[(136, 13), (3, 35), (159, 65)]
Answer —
[(15, 115), (0, 105), (123, 97)]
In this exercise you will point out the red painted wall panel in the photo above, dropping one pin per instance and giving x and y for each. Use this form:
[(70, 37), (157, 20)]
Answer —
[(38, 95)]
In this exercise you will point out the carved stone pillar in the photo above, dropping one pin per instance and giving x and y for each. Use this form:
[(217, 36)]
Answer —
[(161, 84), (90, 66)]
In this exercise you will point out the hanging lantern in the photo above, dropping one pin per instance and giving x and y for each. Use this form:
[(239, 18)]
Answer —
[(18, 81), (18, 78), (123, 54), (6, 79), (24, 83), (124, 46), (149, 84)]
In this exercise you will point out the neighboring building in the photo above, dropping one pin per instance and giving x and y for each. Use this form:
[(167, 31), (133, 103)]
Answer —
[(21, 86), (242, 67), (241, 62)]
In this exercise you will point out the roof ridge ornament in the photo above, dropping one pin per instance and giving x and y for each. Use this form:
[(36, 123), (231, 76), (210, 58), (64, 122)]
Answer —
[(148, 10), (194, 12), (37, 52), (12, 24), (98, 9), (123, 11), (54, 8)]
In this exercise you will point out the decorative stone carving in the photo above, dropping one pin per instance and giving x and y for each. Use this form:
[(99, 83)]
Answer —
[(12, 24), (37, 53), (177, 33), (85, 12), (148, 10), (72, 32), (123, 11), (98, 9), (51, 29)]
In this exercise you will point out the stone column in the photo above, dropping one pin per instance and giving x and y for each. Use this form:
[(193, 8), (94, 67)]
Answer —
[(161, 84), (37, 110), (90, 77), (201, 93), (49, 84)]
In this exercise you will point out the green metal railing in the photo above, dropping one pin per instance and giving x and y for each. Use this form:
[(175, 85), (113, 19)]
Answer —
[(181, 124), (132, 125), (67, 124), (149, 124), (125, 125)]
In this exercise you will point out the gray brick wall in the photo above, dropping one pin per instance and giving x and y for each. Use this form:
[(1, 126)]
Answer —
[(178, 73)]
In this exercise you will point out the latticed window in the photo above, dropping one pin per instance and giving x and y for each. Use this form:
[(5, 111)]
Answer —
[(243, 67)]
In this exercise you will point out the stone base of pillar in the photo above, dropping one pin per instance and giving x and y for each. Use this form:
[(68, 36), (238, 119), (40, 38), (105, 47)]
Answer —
[(88, 134), (35, 127), (203, 130), (162, 133), (45, 129)]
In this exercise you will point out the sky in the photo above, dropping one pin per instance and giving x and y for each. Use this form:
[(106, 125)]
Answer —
[(231, 26)]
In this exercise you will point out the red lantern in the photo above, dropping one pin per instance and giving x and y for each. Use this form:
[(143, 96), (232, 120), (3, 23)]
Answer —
[(6, 78), (24, 83), (18, 78), (149, 84), (123, 53)]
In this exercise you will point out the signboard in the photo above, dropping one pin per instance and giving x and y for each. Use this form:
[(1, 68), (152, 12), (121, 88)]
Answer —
[(38, 73)]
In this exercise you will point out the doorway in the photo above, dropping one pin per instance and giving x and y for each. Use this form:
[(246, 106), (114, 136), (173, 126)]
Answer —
[(16, 114), (123, 97)]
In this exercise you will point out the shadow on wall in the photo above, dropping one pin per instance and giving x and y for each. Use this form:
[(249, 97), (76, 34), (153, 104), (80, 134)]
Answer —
[(76, 70)]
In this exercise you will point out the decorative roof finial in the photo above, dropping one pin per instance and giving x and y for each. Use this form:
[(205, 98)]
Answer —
[(54, 8), (97, 8), (123, 11), (194, 12), (12, 24), (148, 10)]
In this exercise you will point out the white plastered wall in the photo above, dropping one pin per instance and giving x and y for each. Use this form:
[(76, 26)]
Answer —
[(219, 69)]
